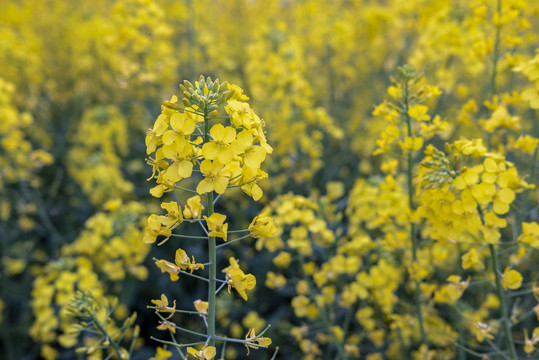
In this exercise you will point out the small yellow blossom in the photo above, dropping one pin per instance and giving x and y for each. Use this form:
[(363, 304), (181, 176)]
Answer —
[(193, 209), (262, 226), (214, 177), (526, 144), (471, 260), (217, 226), (201, 306), (419, 112), (162, 304), (251, 338), (207, 353), (161, 354), (511, 279)]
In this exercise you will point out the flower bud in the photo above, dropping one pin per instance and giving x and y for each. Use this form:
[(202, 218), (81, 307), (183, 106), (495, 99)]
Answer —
[(186, 102), (223, 87), (188, 85), (171, 105), (215, 86)]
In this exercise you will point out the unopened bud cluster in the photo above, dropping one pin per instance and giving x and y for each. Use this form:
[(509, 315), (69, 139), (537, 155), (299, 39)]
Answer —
[(442, 170), (210, 95)]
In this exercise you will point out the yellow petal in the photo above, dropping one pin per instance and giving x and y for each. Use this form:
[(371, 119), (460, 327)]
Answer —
[(205, 186), (210, 150)]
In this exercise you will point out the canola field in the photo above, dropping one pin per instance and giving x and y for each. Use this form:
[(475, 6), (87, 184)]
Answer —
[(269, 179)]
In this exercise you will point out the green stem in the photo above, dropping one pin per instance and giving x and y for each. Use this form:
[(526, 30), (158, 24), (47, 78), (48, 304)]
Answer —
[(188, 236), (105, 333), (212, 251), (501, 297), (176, 310), (233, 241), (413, 236), (274, 354)]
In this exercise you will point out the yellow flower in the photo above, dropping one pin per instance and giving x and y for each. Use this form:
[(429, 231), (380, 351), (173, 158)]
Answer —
[(207, 353), (483, 331), (155, 228), (219, 148), (161, 354), (163, 305), (167, 325), (511, 279), (201, 306), (471, 260), (217, 226), (168, 267), (252, 155), (249, 182), (529, 343), (526, 144), (183, 261), (251, 338), (240, 113), (419, 112), (182, 166), (504, 197), (214, 180), (181, 127), (283, 259), (262, 226), (174, 213), (237, 279), (530, 234), (194, 208)]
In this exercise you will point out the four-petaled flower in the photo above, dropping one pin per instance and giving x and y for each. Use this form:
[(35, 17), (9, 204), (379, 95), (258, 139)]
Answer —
[(207, 353), (251, 338)]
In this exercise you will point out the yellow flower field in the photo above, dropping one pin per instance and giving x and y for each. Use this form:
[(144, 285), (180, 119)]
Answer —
[(280, 179)]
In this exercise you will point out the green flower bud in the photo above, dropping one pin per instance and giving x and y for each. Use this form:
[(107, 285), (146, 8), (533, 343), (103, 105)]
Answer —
[(171, 105), (188, 84), (215, 86)]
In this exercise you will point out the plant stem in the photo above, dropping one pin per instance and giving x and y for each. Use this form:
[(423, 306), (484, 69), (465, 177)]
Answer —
[(411, 205), (105, 333), (212, 251), (501, 297)]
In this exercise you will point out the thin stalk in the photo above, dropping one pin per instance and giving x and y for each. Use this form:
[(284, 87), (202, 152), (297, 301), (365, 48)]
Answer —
[(212, 251), (237, 231), (223, 349), (220, 288), (233, 241), (274, 354), (501, 297), (176, 310), (181, 328), (189, 236), (105, 333), (413, 236)]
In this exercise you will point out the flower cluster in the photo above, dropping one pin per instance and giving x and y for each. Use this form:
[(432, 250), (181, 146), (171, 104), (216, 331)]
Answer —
[(227, 152)]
